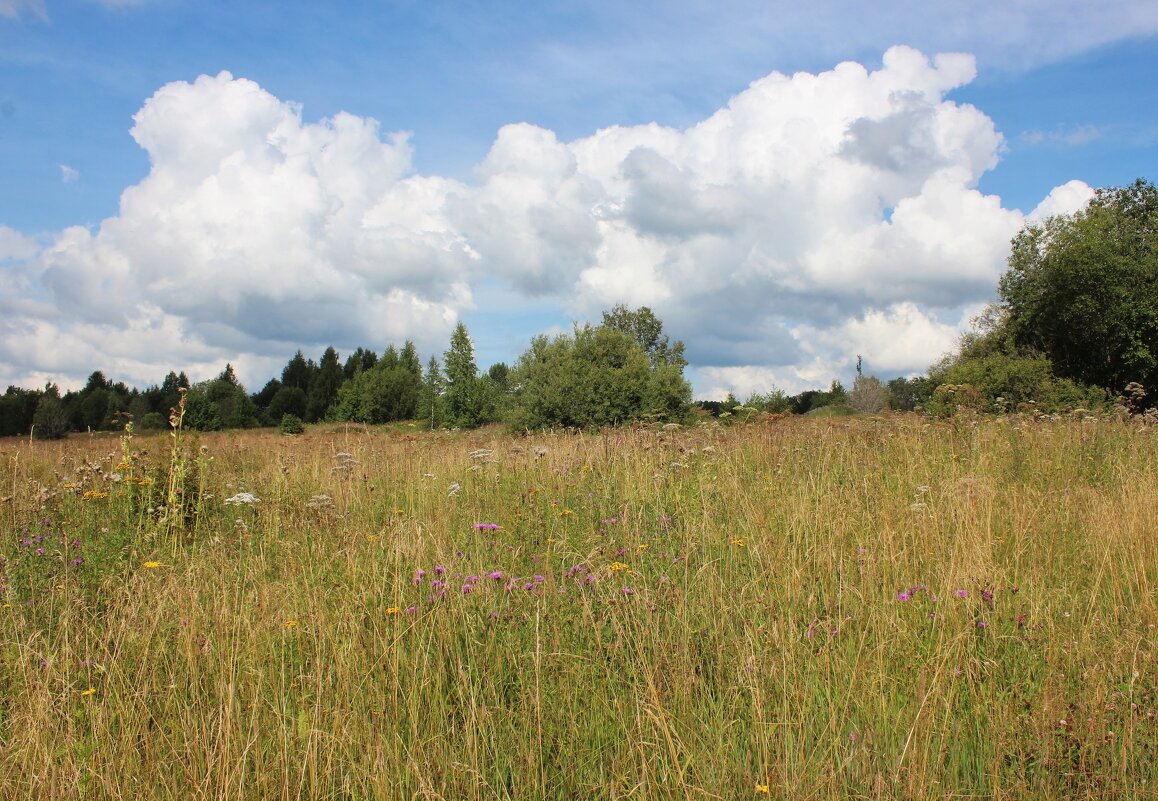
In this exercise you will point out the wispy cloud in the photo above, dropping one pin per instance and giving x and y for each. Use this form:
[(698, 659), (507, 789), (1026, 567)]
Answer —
[(1074, 136), (15, 9), (68, 174)]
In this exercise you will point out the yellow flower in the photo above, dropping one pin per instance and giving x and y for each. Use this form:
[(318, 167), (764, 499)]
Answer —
[(394, 610), (615, 567), (123, 466), (89, 691), (739, 542), (151, 565), (60, 586), (69, 485), (289, 624), (6, 606), (145, 482), (643, 546), (95, 495), (762, 788)]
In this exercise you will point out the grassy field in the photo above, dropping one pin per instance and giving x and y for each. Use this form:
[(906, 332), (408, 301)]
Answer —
[(826, 609)]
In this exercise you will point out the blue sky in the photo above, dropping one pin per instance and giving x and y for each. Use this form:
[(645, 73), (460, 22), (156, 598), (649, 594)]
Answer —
[(560, 157)]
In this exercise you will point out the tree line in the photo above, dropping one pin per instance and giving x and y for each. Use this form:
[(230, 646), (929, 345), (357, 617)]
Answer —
[(623, 369), (1075, 325)]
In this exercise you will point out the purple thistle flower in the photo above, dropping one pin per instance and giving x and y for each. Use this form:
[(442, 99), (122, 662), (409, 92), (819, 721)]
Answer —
[(962, 593), (981, 624), (467, 589), (903, 596), (497, 575), (628, 591), (440, 570)]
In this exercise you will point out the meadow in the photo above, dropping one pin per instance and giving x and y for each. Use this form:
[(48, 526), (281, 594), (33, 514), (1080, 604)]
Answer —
[(881, 608)]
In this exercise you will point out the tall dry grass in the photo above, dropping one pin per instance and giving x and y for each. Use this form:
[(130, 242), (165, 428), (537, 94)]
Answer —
[(867, 608)]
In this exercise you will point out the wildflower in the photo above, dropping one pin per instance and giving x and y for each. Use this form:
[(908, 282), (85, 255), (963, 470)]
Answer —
[(962, 593), (643, 546), (981, 624), (394, 610), (487, 526), (467, 589), (903, 596), (628, 591), (762, 789), (739, 542), (615, 567), (242, 499), (291, 623), (89, 691), (439, 570), (495, 575), (151, 565)]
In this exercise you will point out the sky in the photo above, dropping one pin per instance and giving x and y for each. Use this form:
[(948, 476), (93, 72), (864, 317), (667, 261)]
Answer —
[(787, 186)]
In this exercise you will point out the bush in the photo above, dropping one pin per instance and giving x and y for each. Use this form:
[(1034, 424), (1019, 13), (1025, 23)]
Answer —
[(292, 424), (153, 421)]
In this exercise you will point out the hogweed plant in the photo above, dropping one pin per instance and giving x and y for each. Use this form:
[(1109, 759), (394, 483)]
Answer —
[(884, 608)]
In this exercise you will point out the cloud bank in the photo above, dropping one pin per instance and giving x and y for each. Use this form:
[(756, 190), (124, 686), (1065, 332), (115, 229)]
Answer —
[(814, 217)]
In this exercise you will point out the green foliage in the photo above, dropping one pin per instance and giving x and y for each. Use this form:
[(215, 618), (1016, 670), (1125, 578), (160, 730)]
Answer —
[(952, 399), (51, 418), (430, 399), (1083, 289), (906, 394), (1004, 376), (292, 424), (153, 421), (287, 400), (387, 391), (298, 372), (323, 391), (17, 411), (646, 329), (596, 377), (462, 399), (220, 403)]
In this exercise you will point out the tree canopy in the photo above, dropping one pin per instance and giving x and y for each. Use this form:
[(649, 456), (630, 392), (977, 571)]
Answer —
[(1082, 289)]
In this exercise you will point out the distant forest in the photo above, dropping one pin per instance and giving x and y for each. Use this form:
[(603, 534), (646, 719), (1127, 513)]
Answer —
[(1076, 325)]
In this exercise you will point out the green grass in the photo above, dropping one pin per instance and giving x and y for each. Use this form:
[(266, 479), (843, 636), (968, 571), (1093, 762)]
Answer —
[(845, 608)]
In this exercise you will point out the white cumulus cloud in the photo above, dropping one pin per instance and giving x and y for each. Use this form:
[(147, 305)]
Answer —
[(813, 217)]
